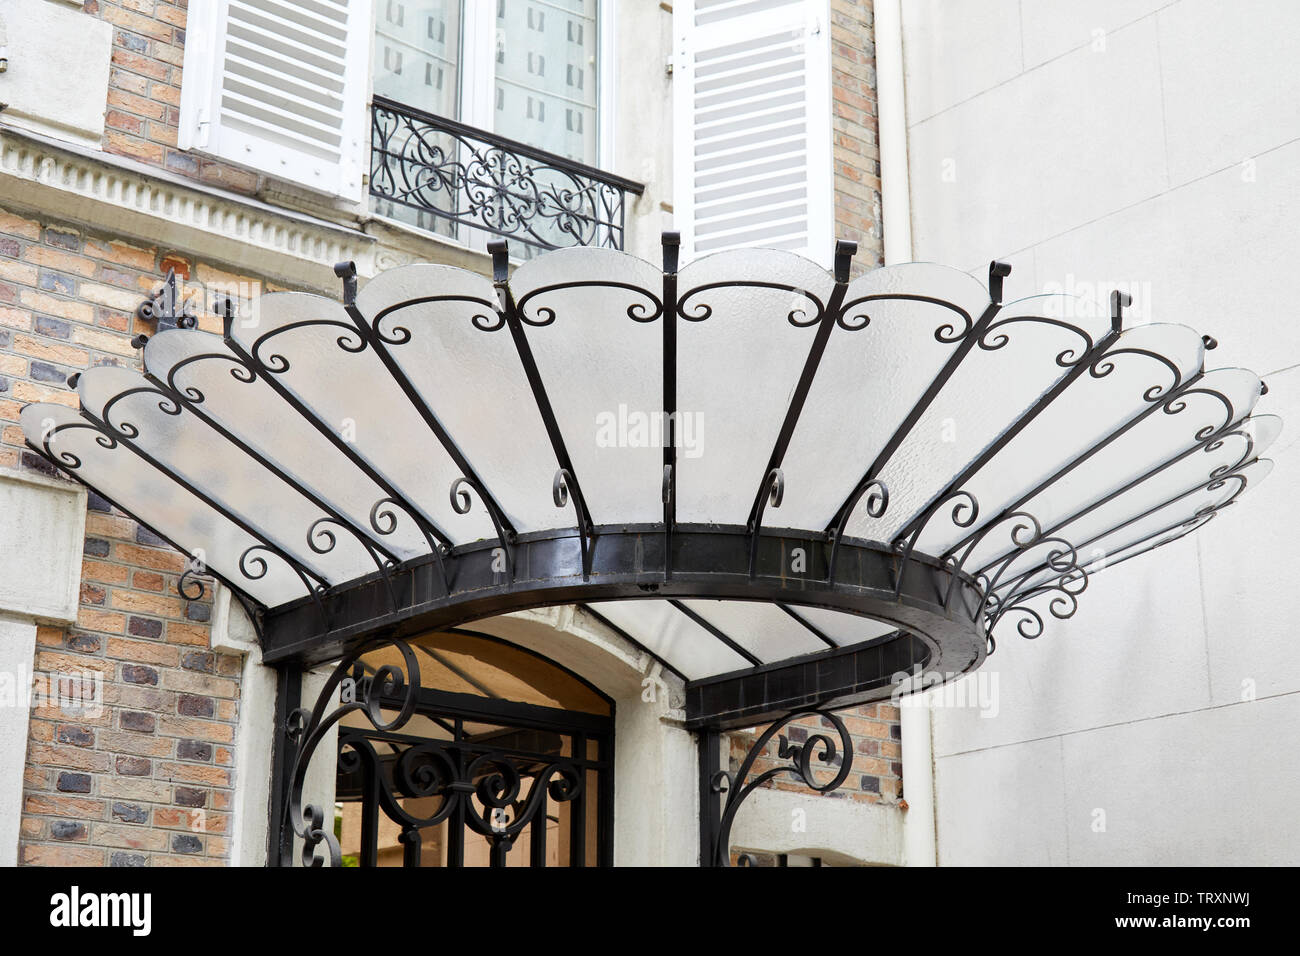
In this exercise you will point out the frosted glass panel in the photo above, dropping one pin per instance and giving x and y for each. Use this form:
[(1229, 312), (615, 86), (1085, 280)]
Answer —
[(594, 324), (253, 411), (472, 379), (877, 364), (1025, 352), (672, 635), (764, 630), (844, 629), (741, 346), (125, 478), (329, 368)]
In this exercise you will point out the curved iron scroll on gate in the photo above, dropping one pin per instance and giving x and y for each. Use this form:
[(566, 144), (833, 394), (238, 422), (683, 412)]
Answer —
[(430, 778)]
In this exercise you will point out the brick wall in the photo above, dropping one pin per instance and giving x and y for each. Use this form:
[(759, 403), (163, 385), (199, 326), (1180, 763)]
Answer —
[(147, 780), (144, 91), (877, 774), (856, 152)]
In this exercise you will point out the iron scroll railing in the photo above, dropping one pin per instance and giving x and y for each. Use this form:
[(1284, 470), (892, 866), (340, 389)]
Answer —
[(473, 180)]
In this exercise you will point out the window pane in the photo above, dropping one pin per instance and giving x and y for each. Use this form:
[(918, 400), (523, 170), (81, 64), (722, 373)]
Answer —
[(417, 54), (546, 69), (417, 63)]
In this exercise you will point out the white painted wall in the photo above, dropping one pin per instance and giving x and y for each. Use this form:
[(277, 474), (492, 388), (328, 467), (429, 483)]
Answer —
[(1152, 145), (39, 583), (57, 80)]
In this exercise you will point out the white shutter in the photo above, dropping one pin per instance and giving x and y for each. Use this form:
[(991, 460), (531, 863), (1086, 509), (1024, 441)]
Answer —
[(752, 125), (280, 86)]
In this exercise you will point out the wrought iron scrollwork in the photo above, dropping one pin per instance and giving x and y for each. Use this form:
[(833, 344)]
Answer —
[(462, 501), (495, 792), (738, 786), (475, 179), (560, 495), (370, 695)]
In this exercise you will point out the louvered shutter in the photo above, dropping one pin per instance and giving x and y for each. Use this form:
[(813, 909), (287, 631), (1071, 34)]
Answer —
[(280, 86), (752, 125)]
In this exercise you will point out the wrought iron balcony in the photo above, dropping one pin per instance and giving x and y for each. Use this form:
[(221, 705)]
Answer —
[(471, 180)]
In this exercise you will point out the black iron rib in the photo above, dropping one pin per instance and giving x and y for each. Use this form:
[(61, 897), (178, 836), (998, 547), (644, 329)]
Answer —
[(716, 633), (148, 527), (347, 271), (500, 276), (1156, 404), (1218, 435), (844, 252), (362, 535), (437, 538), (1202, 486), (1118, 301), (808, 625), (279, 550), (671, 249), (631, 640)]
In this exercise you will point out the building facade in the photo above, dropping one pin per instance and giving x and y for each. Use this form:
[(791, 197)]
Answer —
[(247, 146)]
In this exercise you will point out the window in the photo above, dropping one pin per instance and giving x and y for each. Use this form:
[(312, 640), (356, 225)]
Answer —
[(495, 70), (435, 50), (511, 142)]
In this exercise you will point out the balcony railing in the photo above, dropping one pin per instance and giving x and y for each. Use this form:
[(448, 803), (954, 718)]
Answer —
[(472, 180)]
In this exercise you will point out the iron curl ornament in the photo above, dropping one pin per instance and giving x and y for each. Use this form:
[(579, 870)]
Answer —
[(735, 788), (358, 692)]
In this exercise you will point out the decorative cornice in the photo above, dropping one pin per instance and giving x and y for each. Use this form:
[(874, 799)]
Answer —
[(125, 198)]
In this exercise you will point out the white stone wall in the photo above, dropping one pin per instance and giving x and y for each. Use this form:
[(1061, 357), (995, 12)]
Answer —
[(1155, 146)]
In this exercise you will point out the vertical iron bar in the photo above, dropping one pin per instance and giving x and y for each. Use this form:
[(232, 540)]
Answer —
[(672, 242), (537, 831), (710, 804), (456, 822), (412, 846), (500, 275), (370, 813), (578, 808)]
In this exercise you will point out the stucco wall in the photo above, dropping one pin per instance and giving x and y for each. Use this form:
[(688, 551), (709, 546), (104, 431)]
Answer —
[(1153, 147)]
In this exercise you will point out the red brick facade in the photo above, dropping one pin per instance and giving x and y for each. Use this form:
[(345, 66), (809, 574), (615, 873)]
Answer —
[(148, 779), (855, 151)]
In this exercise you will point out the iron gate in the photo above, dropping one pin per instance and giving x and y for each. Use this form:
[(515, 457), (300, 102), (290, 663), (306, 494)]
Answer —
[(483, 782)]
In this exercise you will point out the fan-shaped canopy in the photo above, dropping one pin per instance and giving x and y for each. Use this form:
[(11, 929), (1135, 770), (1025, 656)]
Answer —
[(784, 485)]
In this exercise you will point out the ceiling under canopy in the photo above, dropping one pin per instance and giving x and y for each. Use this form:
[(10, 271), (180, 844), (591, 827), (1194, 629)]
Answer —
[(784, 485)]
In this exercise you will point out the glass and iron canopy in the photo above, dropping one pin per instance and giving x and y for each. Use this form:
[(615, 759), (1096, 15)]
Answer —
[(785, 485)]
